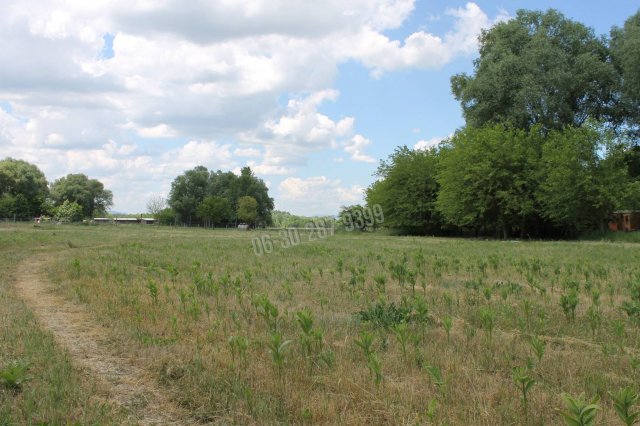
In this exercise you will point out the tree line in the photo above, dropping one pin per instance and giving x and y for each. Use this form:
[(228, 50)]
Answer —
[(203, 197), (25, 193), (550, 146)]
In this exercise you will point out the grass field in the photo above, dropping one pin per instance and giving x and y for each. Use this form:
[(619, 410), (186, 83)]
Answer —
[(348, 329)]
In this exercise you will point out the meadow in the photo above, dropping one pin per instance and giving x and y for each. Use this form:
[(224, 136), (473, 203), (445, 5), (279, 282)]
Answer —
[(351, 328)]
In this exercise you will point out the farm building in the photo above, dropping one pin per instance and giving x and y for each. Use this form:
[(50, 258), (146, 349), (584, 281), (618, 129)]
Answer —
[(125, 220), (625, 220)]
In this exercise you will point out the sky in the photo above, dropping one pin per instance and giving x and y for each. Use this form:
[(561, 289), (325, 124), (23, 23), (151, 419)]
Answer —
[(310, 94)]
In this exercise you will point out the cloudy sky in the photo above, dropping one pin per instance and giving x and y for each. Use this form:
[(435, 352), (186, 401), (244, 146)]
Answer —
[(309, 93)]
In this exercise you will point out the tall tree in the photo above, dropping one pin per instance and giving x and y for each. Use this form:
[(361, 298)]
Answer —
[(23, 189), (191, 188), (90, 194), (247, 210), (215, 210), (625, 50), (187, 191), (249, 185), (488, 179), (539, 68), (585, 178), (406, 190)]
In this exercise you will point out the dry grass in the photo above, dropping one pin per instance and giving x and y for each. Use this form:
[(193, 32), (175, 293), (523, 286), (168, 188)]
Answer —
[(207, 281)]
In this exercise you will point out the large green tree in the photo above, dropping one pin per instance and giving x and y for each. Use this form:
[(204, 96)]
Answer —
[(406, 190), (215, 210), (189, 190), (625, 50), (539, 68), (23, 189), (585, 179), (247, 210), (90, 194), (488, 178)]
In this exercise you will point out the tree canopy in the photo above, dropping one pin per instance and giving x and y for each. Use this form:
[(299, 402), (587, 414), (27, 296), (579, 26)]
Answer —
[(407, 189), (23, 189), (550, 144), (539, 68), (193, 187), (625, 51), (90, 194)]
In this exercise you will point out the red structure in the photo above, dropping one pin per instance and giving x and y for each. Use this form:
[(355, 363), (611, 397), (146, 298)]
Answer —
[(625, 221)]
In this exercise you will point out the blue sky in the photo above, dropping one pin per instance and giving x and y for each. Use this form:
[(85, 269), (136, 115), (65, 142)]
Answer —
[(309, 94)]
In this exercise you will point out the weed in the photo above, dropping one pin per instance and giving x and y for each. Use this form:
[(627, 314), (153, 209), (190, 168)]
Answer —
[(579, 412), (14, 375)]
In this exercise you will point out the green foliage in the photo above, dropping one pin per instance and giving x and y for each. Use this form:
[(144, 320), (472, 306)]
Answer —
[(402, 332), (447, 323), (354, 218), (487, 319), (538, 346), (406, 190), (247, 209), (90, 194), (191, 188), (23, 189), (435, 374), (579, 412), (539, 68), (625, 44), (385, 315), (311, 339), (239, 346), (568, 303), (365, 343), (494, 192), (215, 210), (623, 402), (277, 349), (14, 375), (580, 187), (166, 217), (69, 212), (267, 310), (287, 220), (523, 380), (375, 368)]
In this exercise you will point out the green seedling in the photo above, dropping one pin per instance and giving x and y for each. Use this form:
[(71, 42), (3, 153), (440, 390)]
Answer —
[(14, 375), (524, 382), (579, 411), (623, 402)]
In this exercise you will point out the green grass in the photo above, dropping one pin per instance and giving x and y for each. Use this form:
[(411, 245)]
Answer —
[(191, 306), (57, 393)]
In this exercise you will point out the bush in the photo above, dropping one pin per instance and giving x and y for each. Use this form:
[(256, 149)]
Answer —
[(385, 315)]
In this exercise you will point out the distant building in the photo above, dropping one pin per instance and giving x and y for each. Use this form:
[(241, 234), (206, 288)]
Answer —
[(125, 220), (625, 221)]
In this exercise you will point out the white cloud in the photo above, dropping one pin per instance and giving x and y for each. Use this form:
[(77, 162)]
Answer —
[(317, 194), (355, 147), (428, 143), (420, 49), (300, 131), (246, 152), (199, 72)]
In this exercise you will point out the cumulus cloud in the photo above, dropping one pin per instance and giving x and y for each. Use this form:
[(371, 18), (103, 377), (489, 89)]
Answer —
[(182, 76), (316, 194), (301, 130), (429, 143)]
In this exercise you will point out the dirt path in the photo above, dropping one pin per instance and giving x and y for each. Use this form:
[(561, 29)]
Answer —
[(86, 341)]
